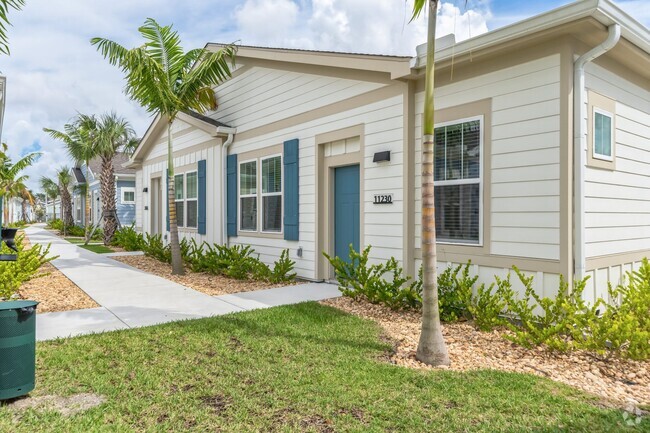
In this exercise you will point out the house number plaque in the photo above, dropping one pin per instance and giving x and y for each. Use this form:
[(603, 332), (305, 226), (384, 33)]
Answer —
[(383, 199)]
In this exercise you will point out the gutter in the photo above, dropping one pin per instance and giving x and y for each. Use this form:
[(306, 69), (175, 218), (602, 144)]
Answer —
[(224, 155), (580, 146)]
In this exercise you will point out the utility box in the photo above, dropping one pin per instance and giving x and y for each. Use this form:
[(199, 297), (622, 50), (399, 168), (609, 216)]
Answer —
[(17, 348)]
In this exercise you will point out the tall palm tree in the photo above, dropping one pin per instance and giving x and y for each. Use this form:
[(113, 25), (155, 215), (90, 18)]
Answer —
[(80, 138), (115, 134), (28, 198), (65, 180), (166, 80), (4, 21), (431, 347), (51, 190), (10, 172)]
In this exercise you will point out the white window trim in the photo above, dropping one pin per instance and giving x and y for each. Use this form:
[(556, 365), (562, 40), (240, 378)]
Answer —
[(241, 196), (180, 200), (594, 154), (479, 180), (127, 189), (186, 199), (271, 194)]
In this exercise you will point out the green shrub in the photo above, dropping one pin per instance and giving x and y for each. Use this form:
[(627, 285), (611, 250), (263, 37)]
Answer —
[(153, 246), (55, 224), (76, 231), (25, 268), (382, 283), (128, 238), (455, 292), (282, 269)]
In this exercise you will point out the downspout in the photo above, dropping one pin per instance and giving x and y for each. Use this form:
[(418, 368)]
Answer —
[(224, 156), (580, 145)]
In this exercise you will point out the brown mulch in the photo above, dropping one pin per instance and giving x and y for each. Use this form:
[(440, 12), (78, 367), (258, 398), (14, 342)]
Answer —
[(615, 380), (213, 285)]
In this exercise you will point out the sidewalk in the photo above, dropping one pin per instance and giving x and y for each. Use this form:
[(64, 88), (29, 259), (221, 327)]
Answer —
[(131, 298)]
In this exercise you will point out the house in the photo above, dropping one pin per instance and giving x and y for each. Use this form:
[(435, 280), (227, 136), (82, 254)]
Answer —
[(90, 176), (542, 153)]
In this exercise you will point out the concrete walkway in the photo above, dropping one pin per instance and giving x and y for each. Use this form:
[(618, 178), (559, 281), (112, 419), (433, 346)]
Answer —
[(131, 298)]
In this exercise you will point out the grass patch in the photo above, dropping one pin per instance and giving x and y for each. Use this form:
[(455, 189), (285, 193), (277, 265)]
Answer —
[(292, 369), (74, 240), (99, 249)]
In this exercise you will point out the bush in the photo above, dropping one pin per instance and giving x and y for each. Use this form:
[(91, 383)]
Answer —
[(128, 238), (153, 246), (55, 224), (25, 268), (358, 279), (282, 269), (455, 292)]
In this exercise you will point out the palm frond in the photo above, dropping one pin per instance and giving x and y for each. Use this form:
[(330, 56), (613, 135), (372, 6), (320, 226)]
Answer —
[(419, 6), (5, 5)]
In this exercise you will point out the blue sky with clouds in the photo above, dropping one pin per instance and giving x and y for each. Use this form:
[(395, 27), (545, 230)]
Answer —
[(53, 71)]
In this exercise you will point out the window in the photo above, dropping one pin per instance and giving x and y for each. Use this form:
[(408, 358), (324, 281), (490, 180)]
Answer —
[(272, 194), (180, 199), (128, 195), (248, 196), (457, 174), (603, 135), (267, 195)]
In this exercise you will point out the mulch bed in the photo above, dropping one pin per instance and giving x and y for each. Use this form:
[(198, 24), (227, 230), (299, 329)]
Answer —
[(213, 285), (618, 381)]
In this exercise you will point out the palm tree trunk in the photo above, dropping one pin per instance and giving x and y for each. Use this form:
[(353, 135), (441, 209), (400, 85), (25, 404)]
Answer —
[(107, 181), (87, 210), (431, 347), (24, 209), (177, 260), (66, 205)]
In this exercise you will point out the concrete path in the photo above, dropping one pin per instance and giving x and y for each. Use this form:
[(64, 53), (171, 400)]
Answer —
[(131, 298)]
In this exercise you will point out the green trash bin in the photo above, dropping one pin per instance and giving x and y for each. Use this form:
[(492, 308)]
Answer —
[(17, 348)]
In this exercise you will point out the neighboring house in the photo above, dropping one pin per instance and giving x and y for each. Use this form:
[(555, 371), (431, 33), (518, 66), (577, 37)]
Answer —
[(124, 191), (313, 151), (14, 210), (53, 209)]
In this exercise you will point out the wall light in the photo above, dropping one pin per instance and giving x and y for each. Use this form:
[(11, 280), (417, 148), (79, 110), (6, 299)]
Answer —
[(381, 156)]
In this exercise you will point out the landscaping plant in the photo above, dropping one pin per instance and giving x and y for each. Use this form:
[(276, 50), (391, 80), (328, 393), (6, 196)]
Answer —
[(128, 238), (25, 268)]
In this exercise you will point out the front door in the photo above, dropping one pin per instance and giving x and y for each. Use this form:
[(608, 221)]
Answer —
[(346, 210)]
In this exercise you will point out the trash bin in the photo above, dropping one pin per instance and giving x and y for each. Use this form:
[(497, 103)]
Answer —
[(17, 348)]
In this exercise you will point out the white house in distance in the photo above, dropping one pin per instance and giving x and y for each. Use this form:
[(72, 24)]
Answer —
[(542, 153)]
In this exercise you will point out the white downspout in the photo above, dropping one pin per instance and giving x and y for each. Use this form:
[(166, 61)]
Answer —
[(224, 156), (580, 145)]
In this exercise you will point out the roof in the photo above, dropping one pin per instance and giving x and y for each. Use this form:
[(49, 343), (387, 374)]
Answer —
[(78, 175), (119, 160), (206, 119), (603, 11)]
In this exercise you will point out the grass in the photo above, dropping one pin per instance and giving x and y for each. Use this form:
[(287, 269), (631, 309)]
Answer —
[(289, 369), (74, 240), (99, 249)]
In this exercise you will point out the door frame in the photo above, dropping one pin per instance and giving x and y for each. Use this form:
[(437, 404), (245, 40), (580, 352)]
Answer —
[(155, 205), (325, 194)]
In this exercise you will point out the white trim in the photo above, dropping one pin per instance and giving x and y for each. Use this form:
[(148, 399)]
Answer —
[(479, 180), (194, 199), (240, 195), (605, 113), (272, 194), (127, 189)]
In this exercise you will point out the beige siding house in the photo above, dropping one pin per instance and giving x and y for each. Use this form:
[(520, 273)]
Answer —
[(542, 153)]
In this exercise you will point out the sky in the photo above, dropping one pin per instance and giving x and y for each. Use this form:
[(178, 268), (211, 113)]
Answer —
[(53, 72)]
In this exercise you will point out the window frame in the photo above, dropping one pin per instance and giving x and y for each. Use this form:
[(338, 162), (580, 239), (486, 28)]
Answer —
[(179, 200), (127, 189), (594, 154), (186, 199), (259, 195), (240, 196), (479, 180)]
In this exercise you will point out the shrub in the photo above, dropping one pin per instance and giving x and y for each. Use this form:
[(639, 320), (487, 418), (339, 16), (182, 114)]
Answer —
[(55, 224), (282, 269), (382, 283), (76, 231), (25, 268), (153, 246), (455, 292), (128, 238)]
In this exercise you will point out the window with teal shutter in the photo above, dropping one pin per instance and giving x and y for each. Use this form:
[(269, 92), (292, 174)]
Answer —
[(291, 178), (202, 216), (231, 195)]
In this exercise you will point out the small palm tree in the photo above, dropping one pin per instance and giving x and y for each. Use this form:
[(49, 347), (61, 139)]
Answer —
[(80, 139), (4, 21), (115, 134), (166, 80), (10, 173), (64, 181), (51, 190), (431, 347)]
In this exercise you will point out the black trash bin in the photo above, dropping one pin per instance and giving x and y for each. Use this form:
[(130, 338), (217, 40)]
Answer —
[(17, 348)]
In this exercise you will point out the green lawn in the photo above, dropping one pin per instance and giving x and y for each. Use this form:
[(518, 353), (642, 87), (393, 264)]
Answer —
[(99, 249), (74, 240), (297, 368)]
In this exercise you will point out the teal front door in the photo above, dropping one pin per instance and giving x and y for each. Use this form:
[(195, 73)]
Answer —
[(346, 210)]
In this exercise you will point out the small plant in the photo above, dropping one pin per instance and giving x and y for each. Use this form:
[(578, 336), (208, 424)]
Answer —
[(25, 268), (128, 238), (282, 269), (153, 246), (455, 292)]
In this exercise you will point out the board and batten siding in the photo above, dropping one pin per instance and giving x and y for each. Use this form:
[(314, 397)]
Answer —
[(191, 145), (125, 212), (617, 203), (525, 158), (261, 96)]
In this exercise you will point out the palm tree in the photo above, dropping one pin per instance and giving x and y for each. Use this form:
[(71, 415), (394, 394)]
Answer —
[(166, 80), (64, 180), (431, 347), (80, 139), (4, 21), (28, 198), (51, 190), (9, 173), (115, 134)]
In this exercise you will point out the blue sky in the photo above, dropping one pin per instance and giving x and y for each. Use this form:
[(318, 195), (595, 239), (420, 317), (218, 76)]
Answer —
[(53, 71)]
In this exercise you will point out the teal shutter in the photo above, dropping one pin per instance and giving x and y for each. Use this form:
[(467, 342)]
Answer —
[(291, 211), (202, 197), (231, 195), (167, 196)]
